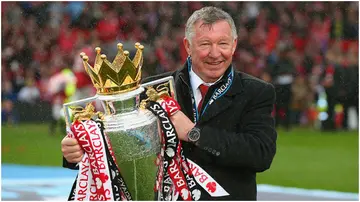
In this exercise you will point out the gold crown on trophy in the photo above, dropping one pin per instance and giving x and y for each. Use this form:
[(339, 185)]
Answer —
[(122, 75)]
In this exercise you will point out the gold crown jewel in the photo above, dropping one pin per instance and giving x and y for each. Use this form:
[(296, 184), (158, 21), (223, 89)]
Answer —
[(122, 75)]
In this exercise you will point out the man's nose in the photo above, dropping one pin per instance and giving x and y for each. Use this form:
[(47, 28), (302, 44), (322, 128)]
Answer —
[(214, 51)]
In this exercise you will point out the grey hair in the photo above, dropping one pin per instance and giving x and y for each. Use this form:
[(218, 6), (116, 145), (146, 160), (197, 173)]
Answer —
[(209, 15)]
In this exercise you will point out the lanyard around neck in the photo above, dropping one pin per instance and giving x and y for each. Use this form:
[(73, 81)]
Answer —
[(218, 92)]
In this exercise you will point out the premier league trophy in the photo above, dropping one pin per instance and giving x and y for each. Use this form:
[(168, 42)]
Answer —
[(133, 131)]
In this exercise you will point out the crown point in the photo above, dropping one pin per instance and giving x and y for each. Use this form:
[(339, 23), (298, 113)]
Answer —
[(107, 76), (98, 49), (82, 54), (119, 46), (85, 58)]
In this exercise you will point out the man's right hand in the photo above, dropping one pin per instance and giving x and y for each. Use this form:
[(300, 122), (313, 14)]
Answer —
[(71, 150)]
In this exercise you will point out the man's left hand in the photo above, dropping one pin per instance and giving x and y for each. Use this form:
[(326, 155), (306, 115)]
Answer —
[(182, 125)]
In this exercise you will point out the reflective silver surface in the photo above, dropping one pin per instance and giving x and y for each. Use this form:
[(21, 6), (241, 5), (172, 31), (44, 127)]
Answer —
[(134, 137)]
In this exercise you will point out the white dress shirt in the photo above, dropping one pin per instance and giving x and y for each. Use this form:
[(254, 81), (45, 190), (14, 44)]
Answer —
[(195, 82)]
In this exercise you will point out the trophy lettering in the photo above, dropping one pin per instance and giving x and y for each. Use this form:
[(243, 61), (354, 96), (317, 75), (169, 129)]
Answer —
[(133, 131)]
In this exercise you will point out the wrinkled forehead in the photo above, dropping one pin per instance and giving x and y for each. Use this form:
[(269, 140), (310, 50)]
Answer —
[(208, 24), (218, 26)]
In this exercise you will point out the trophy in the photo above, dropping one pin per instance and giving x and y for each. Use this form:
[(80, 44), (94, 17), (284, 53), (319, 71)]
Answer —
[(133, 131)]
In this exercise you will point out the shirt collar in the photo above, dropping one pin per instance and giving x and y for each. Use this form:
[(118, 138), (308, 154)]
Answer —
[(196, 81)]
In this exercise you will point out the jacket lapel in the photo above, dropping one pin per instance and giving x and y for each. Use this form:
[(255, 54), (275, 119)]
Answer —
[(182, 83), (224, 102)]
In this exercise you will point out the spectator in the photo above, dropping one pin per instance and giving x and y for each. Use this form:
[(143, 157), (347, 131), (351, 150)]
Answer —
[(300, 99), (45, 34), (7, 91), (351, 30), (337, 25), (282, 74), (29, 93), (8, 114)]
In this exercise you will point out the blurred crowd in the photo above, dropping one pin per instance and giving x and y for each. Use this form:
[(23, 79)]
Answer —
[(308, 50)]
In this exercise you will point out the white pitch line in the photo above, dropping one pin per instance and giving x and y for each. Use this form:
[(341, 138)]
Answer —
[(307, 192), (37, 181), (260, 188)]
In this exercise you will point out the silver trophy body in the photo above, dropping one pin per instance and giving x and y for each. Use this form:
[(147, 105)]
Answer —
[(134, 135)]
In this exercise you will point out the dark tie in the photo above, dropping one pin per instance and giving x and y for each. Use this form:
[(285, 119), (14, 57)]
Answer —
[(203, 90)]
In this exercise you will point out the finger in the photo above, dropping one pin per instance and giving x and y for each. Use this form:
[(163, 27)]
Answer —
[(173, 113), (77, 160), (69, 141), (73, 156), (172, 118), (70, 149)]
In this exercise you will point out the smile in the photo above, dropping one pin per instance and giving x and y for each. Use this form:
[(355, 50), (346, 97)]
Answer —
[(214, 63)]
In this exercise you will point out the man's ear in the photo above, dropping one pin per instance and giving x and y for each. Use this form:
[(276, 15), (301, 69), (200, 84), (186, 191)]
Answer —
[(187, 46), (234, 47)]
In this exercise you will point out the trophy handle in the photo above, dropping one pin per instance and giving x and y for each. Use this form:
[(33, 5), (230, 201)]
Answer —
[(67, 109), (161, 83), (164, 84)]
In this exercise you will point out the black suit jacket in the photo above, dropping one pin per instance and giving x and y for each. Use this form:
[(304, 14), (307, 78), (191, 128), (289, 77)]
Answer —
[(238, 137)]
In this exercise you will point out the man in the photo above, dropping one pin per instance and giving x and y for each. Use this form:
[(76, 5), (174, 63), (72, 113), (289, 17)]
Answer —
[(282, 72), (231, 135)]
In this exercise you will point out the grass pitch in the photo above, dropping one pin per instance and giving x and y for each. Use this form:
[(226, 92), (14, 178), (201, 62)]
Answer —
[(31, 144), (306, 158)]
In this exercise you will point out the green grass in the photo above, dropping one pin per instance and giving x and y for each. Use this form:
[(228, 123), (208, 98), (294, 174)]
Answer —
[(305, 158), (31, 144), (311, 159)]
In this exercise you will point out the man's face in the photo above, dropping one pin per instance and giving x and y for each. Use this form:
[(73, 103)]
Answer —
[(211, 49)]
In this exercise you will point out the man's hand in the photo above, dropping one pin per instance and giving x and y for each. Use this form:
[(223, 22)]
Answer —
[(182, 125), (71, 150)]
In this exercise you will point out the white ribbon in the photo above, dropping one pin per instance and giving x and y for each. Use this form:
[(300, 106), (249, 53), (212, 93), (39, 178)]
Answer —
[(206, 181)]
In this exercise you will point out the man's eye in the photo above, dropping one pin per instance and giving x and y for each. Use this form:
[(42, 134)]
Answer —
[(204, 44)]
